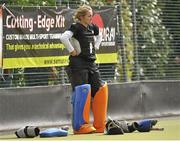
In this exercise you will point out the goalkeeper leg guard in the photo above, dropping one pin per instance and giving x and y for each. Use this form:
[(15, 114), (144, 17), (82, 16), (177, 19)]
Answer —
[(27, 132), (81, 109), (99, 108), (53, 132), (145, 125)]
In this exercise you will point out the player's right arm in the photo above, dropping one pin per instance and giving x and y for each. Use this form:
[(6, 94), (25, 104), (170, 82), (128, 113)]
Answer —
[(65, 39)]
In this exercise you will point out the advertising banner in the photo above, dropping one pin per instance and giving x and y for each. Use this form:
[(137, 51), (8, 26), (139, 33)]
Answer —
[(1, 35), (31, 36)]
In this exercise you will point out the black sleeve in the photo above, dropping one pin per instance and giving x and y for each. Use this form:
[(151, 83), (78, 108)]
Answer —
[(96, 29), (73, 28)]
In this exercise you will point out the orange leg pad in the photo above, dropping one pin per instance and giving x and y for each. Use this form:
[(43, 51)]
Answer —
[(99, 108)]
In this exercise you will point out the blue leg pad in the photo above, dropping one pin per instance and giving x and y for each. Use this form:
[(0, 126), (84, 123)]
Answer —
[(80, 98)]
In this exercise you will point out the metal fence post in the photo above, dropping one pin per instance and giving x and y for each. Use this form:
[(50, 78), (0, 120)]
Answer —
[(120, 43), (136, 66)]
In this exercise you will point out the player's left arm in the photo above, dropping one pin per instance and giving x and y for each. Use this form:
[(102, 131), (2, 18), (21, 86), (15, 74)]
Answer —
[(98, 37)]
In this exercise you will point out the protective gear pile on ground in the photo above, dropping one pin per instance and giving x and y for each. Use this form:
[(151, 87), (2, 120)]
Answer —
[(114, 127), (33, 131)]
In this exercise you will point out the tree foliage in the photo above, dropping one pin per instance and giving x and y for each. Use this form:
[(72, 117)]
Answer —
[(54, 2), (171, 19), (32, 2), (153, 40)]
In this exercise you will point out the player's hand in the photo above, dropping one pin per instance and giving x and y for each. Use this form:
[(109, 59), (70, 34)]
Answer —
[(73, 53)]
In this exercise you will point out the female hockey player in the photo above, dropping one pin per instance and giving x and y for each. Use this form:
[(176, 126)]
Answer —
[(84, 74)]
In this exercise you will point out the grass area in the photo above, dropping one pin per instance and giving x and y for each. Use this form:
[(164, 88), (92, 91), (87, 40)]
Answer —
[(171, 132)]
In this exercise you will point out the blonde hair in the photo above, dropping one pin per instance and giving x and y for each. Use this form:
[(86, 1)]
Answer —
[(81, 11)]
